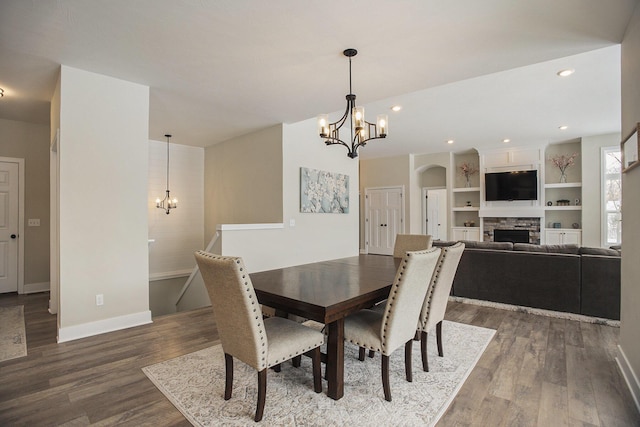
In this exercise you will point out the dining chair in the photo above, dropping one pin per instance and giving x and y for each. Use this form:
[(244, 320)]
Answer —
[(385, 332), (244, 334), (435, 302), (410, 242)]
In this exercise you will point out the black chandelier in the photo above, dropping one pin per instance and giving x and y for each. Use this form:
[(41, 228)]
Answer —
[(361, 130), (167, 203)]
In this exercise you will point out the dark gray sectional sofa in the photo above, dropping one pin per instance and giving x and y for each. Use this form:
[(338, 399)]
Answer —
[(564, 278)]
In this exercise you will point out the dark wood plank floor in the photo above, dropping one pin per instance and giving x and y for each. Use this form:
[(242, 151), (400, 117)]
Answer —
[(537, 371)]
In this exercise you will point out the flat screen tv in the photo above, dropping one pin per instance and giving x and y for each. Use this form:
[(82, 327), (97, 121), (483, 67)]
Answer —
[(517, 185)]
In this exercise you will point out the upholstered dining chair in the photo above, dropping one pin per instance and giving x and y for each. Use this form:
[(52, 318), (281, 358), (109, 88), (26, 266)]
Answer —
[(385, 332), (244, 334), (435, 302), (410, 242)]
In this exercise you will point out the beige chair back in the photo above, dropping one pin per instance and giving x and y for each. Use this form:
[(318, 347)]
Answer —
[(410, 242), (406, 298), (435, 303), (235, 308)]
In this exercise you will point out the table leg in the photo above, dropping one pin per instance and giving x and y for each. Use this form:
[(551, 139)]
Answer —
[(335, 359)]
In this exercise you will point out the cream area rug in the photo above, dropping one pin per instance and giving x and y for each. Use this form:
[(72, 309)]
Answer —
[(194, 383), (13, 341)]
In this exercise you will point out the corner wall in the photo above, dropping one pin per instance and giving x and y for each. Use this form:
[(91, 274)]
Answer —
[(629, 347), (103, 225)]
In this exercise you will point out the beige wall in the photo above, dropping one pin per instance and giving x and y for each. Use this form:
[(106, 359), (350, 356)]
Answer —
[(103, 149), (30, 142), (592, 186), (630, 311), (243, 180)]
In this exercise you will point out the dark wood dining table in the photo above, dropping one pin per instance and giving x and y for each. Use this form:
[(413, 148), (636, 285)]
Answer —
[(327, 292)]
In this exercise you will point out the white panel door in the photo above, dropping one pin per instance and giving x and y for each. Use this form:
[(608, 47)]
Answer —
[(384, 219), (8, 227), (436, 201)]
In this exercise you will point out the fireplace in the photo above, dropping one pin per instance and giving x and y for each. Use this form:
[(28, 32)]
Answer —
[(515, 236)]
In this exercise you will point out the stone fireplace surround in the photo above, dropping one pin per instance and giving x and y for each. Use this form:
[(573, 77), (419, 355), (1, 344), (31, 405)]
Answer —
[(508, 223)]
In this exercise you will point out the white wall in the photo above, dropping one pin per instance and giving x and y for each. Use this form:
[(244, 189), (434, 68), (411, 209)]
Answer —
[(592, 186), (103, 155), (177, 235), (629, 347)]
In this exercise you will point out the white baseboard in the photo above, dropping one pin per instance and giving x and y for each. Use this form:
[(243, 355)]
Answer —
[(364, 251), (629, 376), (32, 288), (84, 330)]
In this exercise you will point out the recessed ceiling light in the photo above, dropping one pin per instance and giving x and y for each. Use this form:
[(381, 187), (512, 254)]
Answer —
[(506, 140), (563, 127), (450, 141), (396, 108), (566, 72)]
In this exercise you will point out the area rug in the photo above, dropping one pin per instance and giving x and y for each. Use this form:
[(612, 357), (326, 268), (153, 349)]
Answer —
[(13, 342), (194, 383)]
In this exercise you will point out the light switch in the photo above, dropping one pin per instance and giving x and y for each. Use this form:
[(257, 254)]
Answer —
[(292, 223), (33, 222)]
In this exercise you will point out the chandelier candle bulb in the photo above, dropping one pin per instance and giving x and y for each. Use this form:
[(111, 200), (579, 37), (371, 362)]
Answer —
[(358, 118), (323, 125), (382, 124)]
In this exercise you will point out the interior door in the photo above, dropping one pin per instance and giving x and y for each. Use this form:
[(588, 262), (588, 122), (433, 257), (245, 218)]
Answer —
[(384, 220), (9, 211), (436, 208)]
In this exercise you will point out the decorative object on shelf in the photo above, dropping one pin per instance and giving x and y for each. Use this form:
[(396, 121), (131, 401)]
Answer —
[(557, 225), (468, 203), (167, 203), (361, 130), (577, 202), (563, 162), (563, 202), (467, 170), (549, 203), (575, 225), (469, 223)]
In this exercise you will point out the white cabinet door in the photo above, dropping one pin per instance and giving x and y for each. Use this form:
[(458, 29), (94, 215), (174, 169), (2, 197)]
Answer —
[(561, 236), (466, 233)]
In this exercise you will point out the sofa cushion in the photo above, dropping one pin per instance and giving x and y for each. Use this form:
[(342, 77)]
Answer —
[(442, 243), (468, 244), (549, 249), (599, 251)]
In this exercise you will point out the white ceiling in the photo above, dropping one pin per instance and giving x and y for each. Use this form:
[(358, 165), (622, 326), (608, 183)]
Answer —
[(474, 71)]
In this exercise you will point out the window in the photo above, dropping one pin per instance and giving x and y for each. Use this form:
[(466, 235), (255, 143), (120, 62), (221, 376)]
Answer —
[(611, 196)]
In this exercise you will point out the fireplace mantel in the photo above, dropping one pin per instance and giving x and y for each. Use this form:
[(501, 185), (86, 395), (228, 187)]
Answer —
[(522, 212)]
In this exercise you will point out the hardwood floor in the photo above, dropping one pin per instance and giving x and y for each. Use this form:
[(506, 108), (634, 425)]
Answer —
[(537, 371)]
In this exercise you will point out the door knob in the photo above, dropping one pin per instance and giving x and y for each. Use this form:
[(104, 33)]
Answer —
[(13, 236)]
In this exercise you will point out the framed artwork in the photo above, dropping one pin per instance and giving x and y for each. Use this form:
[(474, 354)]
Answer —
[(323, 192), (629, 149)]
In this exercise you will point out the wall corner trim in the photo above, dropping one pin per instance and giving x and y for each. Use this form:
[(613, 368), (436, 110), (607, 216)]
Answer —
[(89, 329), (629, 376)]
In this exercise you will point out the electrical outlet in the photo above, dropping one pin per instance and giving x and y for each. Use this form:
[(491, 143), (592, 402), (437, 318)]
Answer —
[(33, 222), (99, 299)]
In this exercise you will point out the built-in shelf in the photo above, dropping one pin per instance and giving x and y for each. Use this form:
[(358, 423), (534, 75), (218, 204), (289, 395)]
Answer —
[(564, 185), (466, 208), (465, 189), (564, 208)]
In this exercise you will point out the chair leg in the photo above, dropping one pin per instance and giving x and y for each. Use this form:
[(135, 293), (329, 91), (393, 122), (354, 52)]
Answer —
[(423, 351), (361, 352), (228, 368), (385, 378), (372, 353), (439, 338), (262, 393), (296, 361), (277, 368), (407, 360), (317, 370)]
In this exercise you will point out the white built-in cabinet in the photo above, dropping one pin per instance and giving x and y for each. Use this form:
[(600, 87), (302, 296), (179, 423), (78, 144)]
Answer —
[(465, 200), (563, 236), (466, 233)]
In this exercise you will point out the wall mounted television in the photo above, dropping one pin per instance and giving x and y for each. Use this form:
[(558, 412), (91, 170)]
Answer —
[(516, 185)]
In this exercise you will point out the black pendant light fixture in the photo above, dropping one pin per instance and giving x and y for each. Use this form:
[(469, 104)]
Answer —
[(167, 203), (361, 130)]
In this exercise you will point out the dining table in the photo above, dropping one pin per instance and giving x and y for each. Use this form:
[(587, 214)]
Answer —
[(327, 292)]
